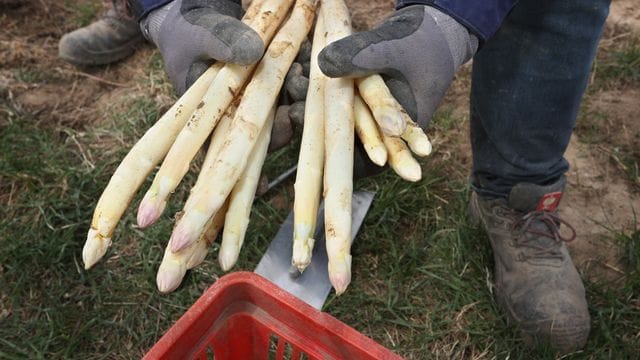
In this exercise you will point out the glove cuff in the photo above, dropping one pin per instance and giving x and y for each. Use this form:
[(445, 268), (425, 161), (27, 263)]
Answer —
[(462, 44), (150, 24), (483, 18)]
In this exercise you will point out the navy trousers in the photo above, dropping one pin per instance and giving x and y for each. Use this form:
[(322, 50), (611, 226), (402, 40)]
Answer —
[(527, 84)]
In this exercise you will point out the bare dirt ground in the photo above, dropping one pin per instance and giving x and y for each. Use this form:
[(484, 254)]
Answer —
[(600, 198), (35, 79), (625, 14)]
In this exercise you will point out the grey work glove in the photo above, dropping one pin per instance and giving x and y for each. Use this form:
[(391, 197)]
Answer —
[(191, 34), (291, 103), (417, 50)]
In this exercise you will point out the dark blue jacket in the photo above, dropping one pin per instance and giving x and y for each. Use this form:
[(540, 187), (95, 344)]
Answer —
[(140, 8), (482, 17)]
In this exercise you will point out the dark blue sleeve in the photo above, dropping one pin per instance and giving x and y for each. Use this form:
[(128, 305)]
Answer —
[(140, 8), (482, 17)]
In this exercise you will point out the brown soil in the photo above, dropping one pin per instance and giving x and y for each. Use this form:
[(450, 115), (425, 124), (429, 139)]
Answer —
[(602, 199), (599, 203), (625, 13), (366, 14), (34, 79)]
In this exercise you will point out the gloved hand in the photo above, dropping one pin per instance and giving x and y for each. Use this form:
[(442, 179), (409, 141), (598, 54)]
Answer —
[(417, 50), (191, 34), (290, 110)]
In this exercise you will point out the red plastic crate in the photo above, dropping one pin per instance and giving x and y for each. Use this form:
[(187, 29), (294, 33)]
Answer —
[(245, 316)]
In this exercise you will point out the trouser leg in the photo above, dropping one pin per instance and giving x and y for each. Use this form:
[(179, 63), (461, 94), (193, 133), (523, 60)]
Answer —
[(527, 84)]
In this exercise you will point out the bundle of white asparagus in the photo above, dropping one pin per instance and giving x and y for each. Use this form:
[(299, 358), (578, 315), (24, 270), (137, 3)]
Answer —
[(234, 106), (333, 110)]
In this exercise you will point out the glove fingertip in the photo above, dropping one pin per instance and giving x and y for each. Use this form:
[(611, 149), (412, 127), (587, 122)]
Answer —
[(331, 62), (336, 60), (295, 83), (195, 71), (296, 114), (304, 55), (306, 68), (295, 70), (247, 49), (282, 130)]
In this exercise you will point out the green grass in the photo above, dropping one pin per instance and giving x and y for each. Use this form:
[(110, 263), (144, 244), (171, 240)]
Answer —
[(85, 11), (26, 75), (444, 118), (629, 162), (420, 282), (620, 66), (590, 127)]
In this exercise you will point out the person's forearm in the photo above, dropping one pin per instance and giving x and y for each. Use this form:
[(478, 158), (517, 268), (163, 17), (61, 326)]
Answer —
[(483, 18), (140, 8)]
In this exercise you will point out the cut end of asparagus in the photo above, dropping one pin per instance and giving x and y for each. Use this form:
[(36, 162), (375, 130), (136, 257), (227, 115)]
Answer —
[(417, 140), (95, 248), (302, 250), (340, 273), (170, 275), (228, 256), (378, 155), (410, 171), (423, 148), (149, 212)]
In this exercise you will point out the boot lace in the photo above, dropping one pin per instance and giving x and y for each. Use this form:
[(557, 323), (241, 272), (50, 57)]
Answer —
[(550, 229)]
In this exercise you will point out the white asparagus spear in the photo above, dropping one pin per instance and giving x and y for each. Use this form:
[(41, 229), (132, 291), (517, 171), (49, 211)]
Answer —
[(175, 265), (401, 160), (259, 96), (392, 119), (338, 169), (142, 158), (368, 133), (220, 94), (253, 10), (241, 199), (135, 167), (386, 110), (416, 138), (308, 185), (396, 151)]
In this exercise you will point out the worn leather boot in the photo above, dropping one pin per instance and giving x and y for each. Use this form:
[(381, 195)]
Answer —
[(112, 38), (535, 281)]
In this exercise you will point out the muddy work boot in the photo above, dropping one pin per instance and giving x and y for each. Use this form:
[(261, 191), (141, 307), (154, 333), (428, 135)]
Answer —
[(535, 281), (112, 38)]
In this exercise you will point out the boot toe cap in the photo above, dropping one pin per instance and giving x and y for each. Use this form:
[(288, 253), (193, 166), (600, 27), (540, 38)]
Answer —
[(559, 319), (97, 45)]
